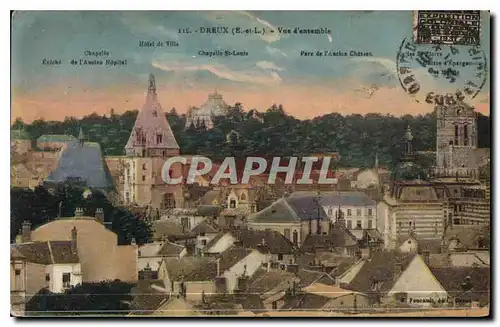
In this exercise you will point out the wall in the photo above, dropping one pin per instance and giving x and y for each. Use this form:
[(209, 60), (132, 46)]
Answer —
[(56, 272), (253, 262), (194, 290), (35, 278), (223, 244), (100, 256), (347, 302), (420, 284)]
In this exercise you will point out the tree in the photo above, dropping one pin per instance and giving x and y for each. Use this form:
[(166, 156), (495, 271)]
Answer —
[(39, 207), (109, 297)]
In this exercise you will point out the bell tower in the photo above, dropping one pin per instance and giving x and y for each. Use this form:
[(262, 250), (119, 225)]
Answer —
[(456, 141)]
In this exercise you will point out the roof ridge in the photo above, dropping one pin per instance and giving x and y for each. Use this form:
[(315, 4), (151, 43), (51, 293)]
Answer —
[(51, 254), (289, 207)]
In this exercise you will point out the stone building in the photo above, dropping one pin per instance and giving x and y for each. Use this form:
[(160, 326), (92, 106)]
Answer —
[(97, 247), (456, 141), (203, 116), (150, 144), (412, 207)]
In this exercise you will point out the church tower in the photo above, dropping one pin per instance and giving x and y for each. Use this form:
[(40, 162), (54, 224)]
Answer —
[(150, 144), (456, 141), (151, 135)]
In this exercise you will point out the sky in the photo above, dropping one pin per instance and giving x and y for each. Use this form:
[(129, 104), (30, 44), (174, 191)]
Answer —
[(273, 71)]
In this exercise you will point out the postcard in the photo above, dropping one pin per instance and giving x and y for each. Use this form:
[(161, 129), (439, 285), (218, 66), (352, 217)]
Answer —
[(250, 163)]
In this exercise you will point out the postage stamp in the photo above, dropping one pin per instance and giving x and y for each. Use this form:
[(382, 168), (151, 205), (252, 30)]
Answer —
[(458, 27), (250, 164)]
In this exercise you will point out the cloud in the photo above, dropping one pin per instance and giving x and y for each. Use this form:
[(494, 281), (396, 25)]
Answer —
[(275, 51), (268, 65), (253, 76)]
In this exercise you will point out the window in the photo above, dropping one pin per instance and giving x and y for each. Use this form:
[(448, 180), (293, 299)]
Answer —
[(275, 305), (143, 152), (159, 138), (348, 212), (280, 256), (330, 211), (66, 279), (287, 233), (370, 211), (127, 197), (143, 178), (358, 212), (456, 134), (143, 166), (47, 277), (243, 197), (232, 203), (168, 201), (466, 135), (18, 272), (349, 224), (370, 224), (295, 237), (203, 242), (358, 224)]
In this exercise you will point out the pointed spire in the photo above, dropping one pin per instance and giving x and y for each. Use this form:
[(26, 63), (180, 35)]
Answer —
[(81, 137), (152, 84)]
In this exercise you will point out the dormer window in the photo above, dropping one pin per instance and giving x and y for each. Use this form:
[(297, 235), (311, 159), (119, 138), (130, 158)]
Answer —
[(155, 113), (159, 138)]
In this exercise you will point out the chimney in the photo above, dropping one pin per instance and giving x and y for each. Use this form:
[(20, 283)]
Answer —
[(426, 255), (217, 262), (26, 231), (292, 268), (79, 212), (99, 215), (74, 244)]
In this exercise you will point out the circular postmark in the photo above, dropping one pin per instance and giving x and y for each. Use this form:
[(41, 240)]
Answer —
[(441, 74)]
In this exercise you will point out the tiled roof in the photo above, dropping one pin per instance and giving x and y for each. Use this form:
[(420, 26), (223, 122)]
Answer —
[(205, 227), (307, 207), (306, 300), (85, 163), (56, 138), (468, 235), (232, 256), (339, 236), (380, 268), (191, 268), (307, 277), (170, 250), (274, 242), (208, 210), (263, 281), (146, 299), (278, 212), (352, 199), (46, 253), (150, 122), (165, 228), (464, 282), (210, 197)]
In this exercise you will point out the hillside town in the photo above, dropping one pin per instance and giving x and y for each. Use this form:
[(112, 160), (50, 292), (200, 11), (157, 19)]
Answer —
[(377, 240)]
